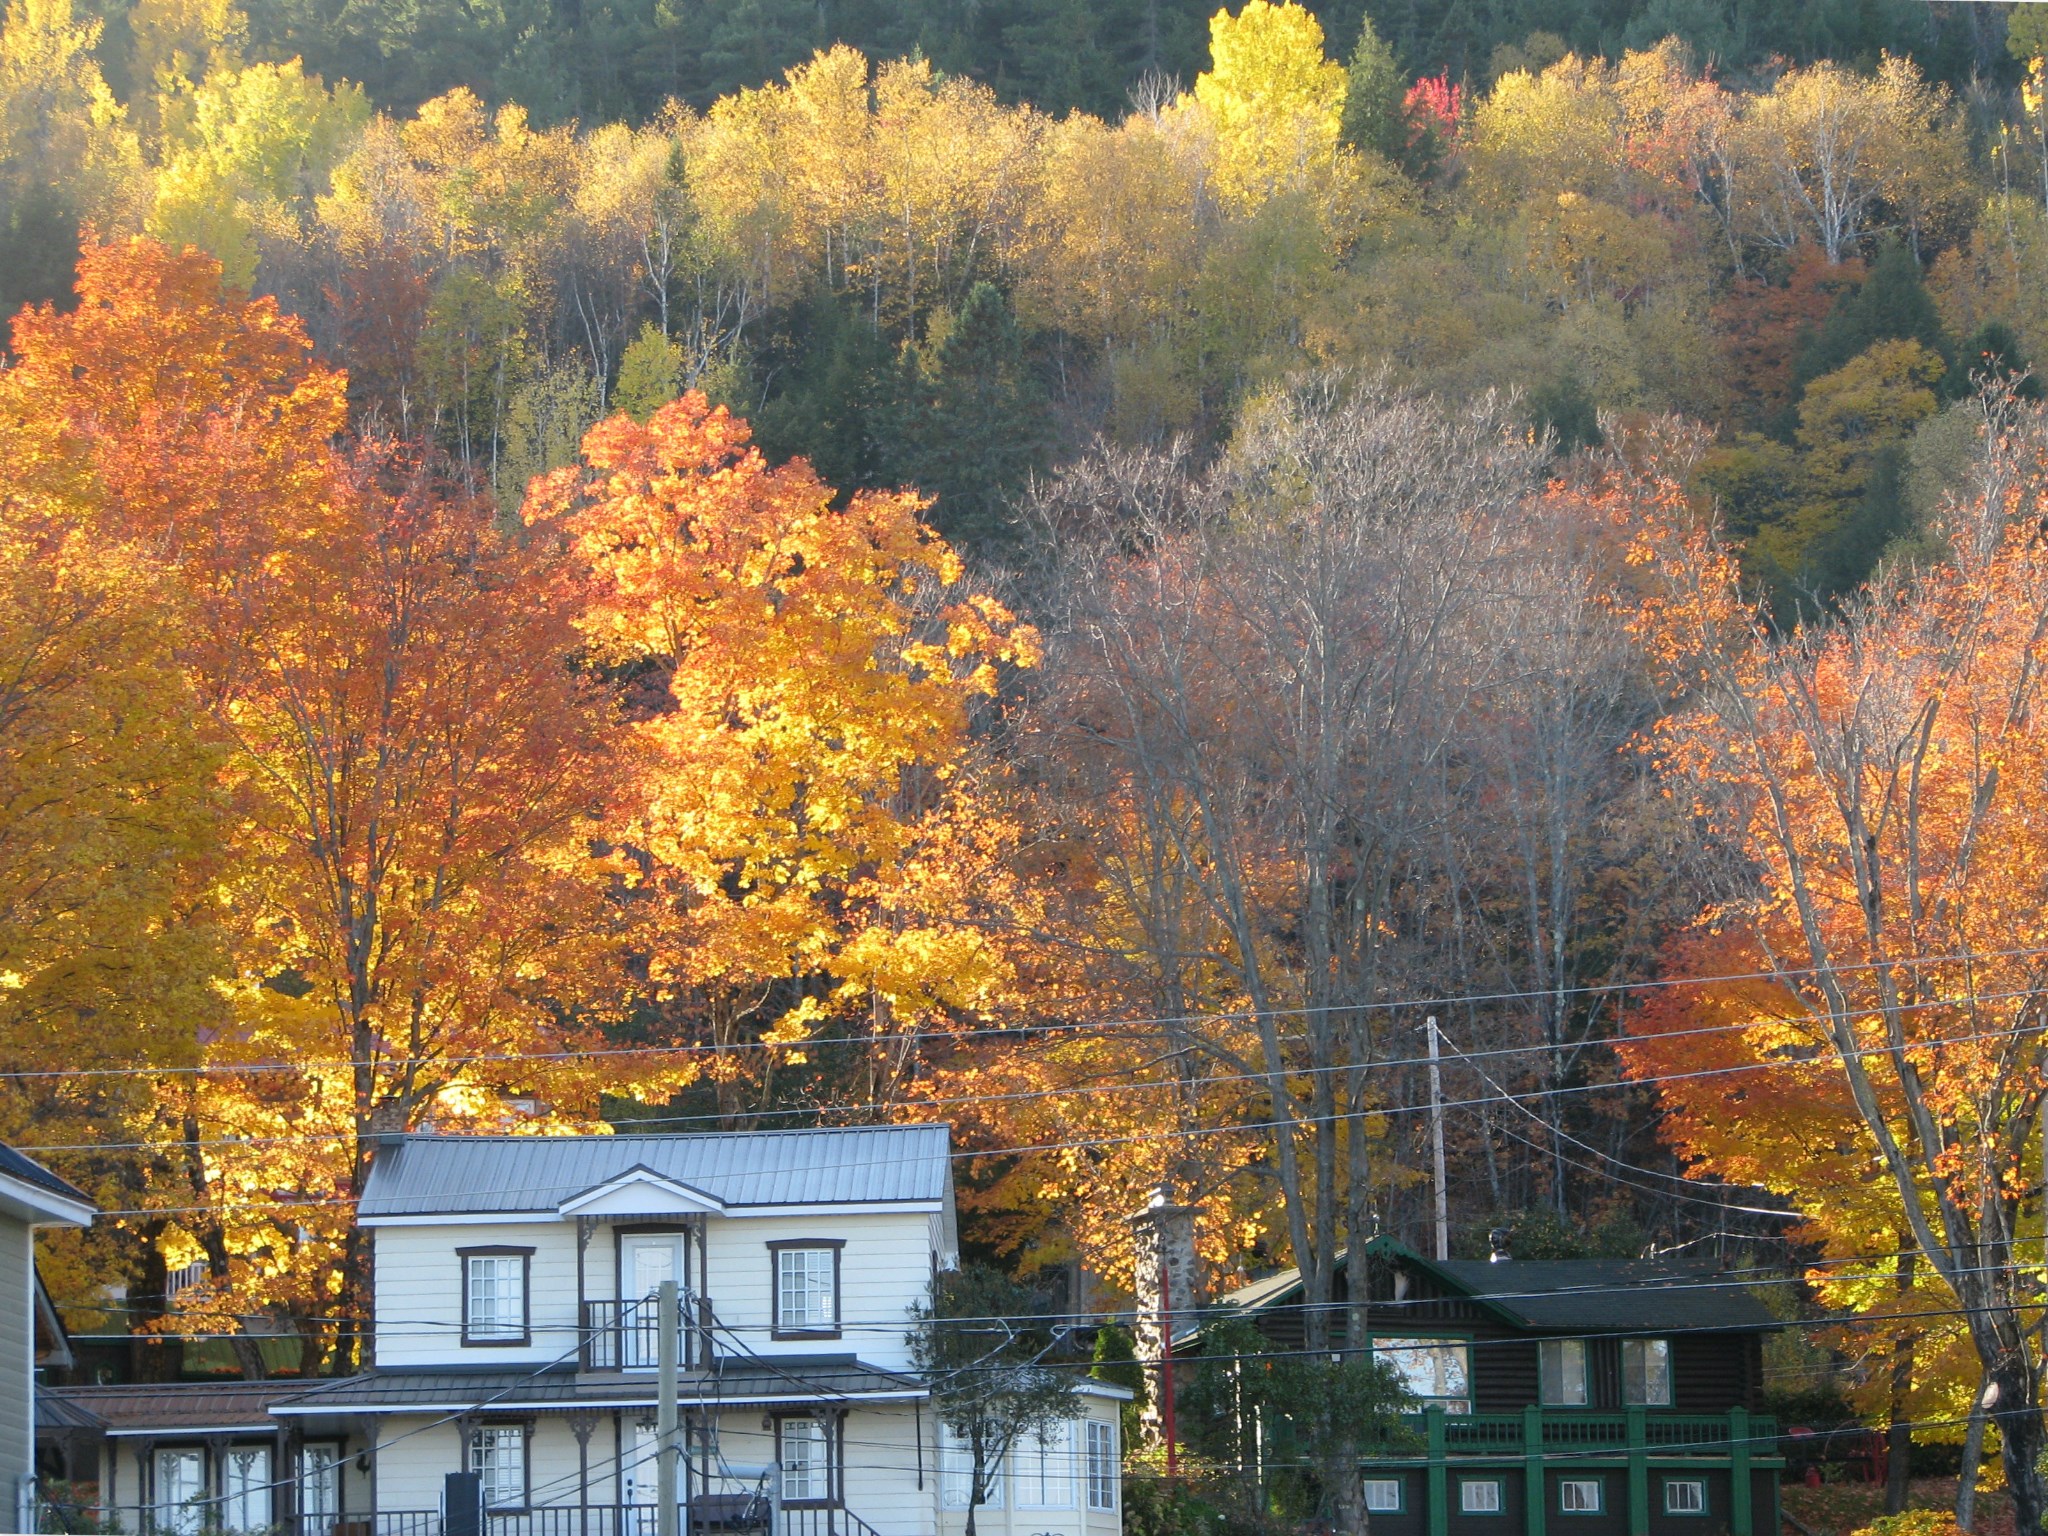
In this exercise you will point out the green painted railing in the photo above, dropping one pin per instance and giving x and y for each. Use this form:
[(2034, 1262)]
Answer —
[(1578, 1429)]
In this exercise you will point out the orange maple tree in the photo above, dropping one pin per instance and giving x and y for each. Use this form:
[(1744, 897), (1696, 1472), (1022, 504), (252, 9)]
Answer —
[(1880, 781), (813, 820)]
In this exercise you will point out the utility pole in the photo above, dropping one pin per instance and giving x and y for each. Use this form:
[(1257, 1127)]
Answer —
[(1436, 1147), (666, 1319)]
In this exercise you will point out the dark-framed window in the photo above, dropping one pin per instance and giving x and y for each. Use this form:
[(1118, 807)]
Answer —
[(1384, 1495), (1562, 1378), (497, 1297), (807, 1461), (498, 1454), (803, 1277)]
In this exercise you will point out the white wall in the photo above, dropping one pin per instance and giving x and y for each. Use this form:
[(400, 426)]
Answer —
[(884, 1268), (419, 1294), (1013, 1518)]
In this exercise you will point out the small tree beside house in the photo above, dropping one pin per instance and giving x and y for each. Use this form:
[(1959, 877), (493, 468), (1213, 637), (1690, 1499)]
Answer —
[(981, 1349)]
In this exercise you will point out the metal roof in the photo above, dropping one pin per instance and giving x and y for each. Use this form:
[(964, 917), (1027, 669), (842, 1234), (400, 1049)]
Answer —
[(29, 1171), (183, 1406), (797, 1378), (479, 1175), (1560, 1295)]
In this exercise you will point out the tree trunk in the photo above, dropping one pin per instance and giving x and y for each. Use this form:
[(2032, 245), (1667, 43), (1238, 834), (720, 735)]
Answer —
[(1973, 1462), (1899, 1431)]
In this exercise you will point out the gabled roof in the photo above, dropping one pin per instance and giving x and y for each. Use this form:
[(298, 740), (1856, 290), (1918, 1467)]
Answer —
[(38, 1195), (431, 1176), (1561, 1295)]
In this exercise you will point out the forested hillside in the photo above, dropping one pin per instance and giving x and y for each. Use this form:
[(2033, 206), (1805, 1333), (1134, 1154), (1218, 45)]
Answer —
[(1081, 569)]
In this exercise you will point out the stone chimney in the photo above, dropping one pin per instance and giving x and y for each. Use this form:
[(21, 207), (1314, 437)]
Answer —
[(1499, 1238), (1168, 1286)]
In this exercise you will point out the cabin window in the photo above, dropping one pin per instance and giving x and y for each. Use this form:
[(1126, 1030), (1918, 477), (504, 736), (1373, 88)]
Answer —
[(1042, 1468), (956, 1474), (1646, 1372), (1579, 1496), (1102, 1465), (804, 1451), (497, 1455), (1437, 1371), (320, 1481), (806, 1289), (1685, 1496), (245, 1488), (494, 1300), (1383, 1495), (1563, 1371), (1479, 1496)]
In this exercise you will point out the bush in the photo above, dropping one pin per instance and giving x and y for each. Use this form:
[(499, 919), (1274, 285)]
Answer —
[(1156, 1507), (1914, 1522)]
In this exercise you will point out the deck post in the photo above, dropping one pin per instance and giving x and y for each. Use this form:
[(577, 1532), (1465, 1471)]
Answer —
[(1532, 1470), (1740, 1512), (1638, 1472), (1439, 1476)]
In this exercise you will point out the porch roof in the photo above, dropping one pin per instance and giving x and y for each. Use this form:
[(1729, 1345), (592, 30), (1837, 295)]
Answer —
[(735, 1383), (165, 1408)]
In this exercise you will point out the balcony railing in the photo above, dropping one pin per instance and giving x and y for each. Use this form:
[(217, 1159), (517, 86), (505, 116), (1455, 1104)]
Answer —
[(1578, 1429), (624, 1336)]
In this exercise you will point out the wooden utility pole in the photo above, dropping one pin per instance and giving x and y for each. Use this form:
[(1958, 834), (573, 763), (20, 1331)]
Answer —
[(1436, 1147), (666, 1318)]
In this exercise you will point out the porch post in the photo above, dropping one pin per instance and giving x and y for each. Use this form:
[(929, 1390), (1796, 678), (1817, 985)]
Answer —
[(1739, 1510), (1532, 1470), (1438, 1496), (145, 1518), (1638, 1472), (583, 1424)]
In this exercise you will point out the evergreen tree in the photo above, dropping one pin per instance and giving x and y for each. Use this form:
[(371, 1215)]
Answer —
[(980, 430), (845, 410), (1374, 88), (1892, 305)]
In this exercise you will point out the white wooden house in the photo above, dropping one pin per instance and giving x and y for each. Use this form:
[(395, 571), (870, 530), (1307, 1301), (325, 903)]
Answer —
[(513, 1336)]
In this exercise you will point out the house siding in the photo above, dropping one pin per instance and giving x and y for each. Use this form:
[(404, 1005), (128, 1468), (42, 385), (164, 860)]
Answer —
[(419, 1294), (884, 1268), (17, 1358)]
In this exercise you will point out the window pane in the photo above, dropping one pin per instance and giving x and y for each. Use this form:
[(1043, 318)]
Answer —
[(497, 1296), (1685, 1496), (1383, 1495), (1102, 1465), (1479, 1497), (180, 1491), (803, 1289), (245, 1488), (1043, 1469), (1564, 1372), (956, 1474), (1579, 1496), (320, 1481), (1436, 1370), (498, 1457), (1646, 1372), (806, 1473)]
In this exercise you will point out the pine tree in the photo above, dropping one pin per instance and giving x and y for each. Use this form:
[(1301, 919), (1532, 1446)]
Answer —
[(1375, 86)]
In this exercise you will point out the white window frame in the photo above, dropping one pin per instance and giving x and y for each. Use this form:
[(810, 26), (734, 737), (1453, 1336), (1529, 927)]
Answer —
[(1580, 1489), (496, 1453), (246, 1503), (956, 1474), (1385, 1495), (1493, 1502), (320, 1473), (1560, 1363), (814, 1467), (806, 1274), (496, 1304), (1042, 1467), (1637, 1388), (1104, 1466), (1697, 1495)]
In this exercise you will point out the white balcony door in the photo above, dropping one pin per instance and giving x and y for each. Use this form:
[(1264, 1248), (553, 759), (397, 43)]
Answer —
[(646, 1259)]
